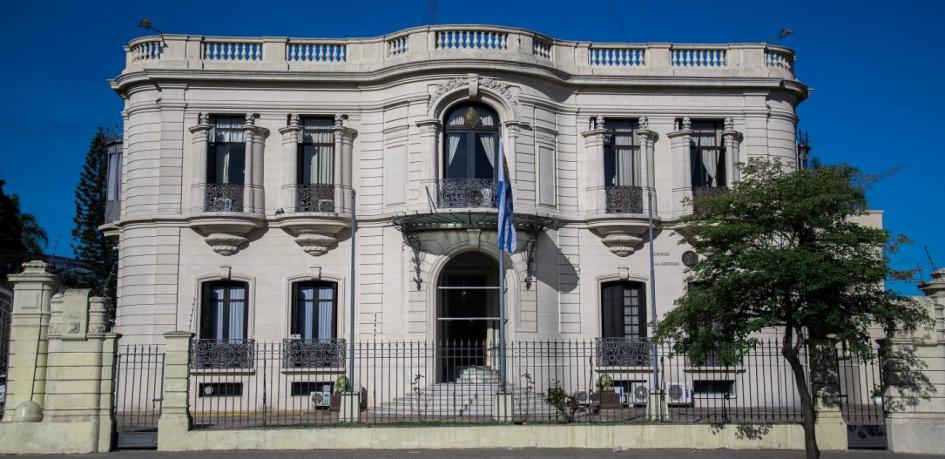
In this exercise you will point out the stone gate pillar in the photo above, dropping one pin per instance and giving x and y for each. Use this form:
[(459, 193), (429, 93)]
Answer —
[(914, 376), (26, 376)]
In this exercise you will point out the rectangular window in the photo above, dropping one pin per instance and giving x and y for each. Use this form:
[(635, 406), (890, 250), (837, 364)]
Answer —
[(114, 172), (714, 388), (623, 310), (220, 390), (223, 311), (316, 152), (622, 154), (313, 310), (707, 154), (227, 153)]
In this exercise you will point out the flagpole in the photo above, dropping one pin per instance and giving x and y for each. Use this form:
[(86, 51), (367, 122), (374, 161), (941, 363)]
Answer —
[(501, 321)]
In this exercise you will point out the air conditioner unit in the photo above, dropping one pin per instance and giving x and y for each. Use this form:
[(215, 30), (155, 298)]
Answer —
[(321, 399), (295, 337), (639, 394), (678, 394)]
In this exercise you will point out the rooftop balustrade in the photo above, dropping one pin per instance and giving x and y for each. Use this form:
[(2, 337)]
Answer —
[(457, 42)]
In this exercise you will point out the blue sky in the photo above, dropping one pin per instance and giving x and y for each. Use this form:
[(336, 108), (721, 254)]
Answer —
[(876, 68)]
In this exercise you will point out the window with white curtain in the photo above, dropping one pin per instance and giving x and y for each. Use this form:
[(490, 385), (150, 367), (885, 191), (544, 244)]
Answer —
[(227, 152), (471, 142), (113, 187), (314, 307), (223, 311), (316, 152), (622, 154), (707, 154)]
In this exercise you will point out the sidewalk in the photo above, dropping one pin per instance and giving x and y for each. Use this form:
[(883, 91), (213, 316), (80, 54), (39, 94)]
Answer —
[(496, 454)]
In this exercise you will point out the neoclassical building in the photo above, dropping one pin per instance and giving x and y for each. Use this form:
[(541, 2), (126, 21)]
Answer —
[(246, 162)]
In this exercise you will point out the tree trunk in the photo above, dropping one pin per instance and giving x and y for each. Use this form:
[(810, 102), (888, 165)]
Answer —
[(791, 352)]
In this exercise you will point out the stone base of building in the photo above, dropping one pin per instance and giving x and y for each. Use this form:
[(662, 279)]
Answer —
[(78, 437), (916, 435), (665, 436)]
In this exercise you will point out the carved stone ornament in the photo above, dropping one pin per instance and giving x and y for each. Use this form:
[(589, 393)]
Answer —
[(621, 244), (496, 86), (314, 243), (225, 244), (444, 87)]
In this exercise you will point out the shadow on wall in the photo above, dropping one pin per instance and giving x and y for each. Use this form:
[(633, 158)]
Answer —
[(552, 267)]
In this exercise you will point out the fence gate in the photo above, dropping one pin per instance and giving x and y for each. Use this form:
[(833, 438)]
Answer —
[(139, 388), (862, 402)]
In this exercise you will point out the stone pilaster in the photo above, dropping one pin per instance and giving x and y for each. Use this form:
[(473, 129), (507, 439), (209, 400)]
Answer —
[(825, 387), (290, 153), (731, 139), (680, 145), (429, 162), (249, 181), (33, 290), (595, 196), (201, 142), (646, 139), (175, 407)]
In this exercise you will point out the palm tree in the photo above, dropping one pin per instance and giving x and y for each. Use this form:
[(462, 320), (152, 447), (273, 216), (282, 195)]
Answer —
[(21, 236)]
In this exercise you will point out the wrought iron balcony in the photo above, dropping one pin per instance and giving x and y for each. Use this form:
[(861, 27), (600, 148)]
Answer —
[(314, 198), (624, 199), (223, 197), (467, 192), (314, 353), (705, 192), (623, 352), (222, 354)]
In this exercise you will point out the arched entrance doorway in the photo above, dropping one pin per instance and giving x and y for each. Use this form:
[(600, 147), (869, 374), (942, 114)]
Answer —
[(467, 313)]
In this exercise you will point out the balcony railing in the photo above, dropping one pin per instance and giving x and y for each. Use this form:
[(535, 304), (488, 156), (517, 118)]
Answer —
[(444, 42), (222, 354), (623, 352), (315, 353), (314, 198), (624, 199), (223, 197), (467, 192)]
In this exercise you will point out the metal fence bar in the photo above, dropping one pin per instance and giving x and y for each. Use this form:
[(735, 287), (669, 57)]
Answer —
[(455, 382)]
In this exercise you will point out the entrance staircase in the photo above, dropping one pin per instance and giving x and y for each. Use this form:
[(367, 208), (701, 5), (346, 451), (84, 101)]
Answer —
[(471, 397)]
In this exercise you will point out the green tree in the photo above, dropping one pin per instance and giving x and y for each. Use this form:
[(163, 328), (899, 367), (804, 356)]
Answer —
[(783, 249), (21, 237), (95, 253)]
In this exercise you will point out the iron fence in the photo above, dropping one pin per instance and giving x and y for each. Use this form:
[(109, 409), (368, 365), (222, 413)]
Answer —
[(223, 197), (467, 192), (5, 304), (624, 199), (548, 381), (139, 391)]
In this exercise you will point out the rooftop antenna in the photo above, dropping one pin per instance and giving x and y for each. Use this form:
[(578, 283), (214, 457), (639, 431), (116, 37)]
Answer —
[(929, 256), (146, 23), (782, 34)]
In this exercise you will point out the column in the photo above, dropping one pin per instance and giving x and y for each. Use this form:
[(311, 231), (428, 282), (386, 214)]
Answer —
[(290, 147), (337, 164), (344, 147), (646, 139), (249, 134), (201, 141), (595, 199), (33, 290), (175, 407), (259, 190), (731, 138), (680, 145), (830, 428), (429, 164)]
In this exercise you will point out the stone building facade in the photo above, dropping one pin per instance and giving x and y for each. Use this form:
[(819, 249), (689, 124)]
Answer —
[(245, 162)]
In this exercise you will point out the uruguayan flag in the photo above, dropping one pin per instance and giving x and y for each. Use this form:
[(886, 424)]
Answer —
[(507, 237)]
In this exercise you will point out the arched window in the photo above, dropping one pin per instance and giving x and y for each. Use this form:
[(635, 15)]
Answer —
[(314, 310), (471, 142), (623, 310)]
